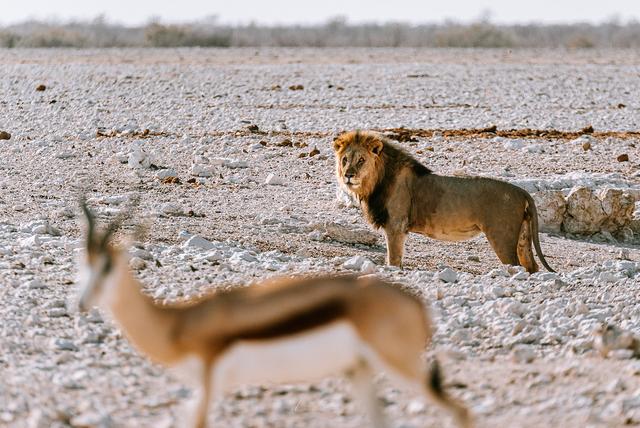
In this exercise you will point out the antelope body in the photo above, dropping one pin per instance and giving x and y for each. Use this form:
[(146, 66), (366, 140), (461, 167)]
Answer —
[(281, 331)]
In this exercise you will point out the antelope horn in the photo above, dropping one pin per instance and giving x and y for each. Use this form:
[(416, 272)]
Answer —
[(91, 224)]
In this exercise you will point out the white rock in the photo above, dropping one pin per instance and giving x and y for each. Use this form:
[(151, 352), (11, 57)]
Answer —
[(316, 235), (584, 212), (273, 180), (523, 354), (618, 206), (199, 242), (551, 207), (64, 345), (347, 233), (65, 154), (520, 276), (171, 209), (355, 263), (534, 148), (32, 241), (448, 275), (136, 263), (121, 157), (230, 163), (368, 267), (203, 170), (140, 158), (166, 173), (244, 255), (497, 291), (34, 284), (621, 354), (513, 144)]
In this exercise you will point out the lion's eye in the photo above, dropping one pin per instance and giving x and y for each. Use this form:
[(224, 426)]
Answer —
[(361, 161)]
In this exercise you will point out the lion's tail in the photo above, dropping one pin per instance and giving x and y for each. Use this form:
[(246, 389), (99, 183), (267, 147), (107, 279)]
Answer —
[(533, 213)]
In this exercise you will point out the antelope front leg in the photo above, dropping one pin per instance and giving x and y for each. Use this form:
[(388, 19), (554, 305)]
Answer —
[(395, 246), (197, 417)]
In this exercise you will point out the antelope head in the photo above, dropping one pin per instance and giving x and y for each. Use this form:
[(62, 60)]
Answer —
[(99, 261)]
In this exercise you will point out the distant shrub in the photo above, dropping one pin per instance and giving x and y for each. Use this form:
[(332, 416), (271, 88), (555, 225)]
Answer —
[(479, 35), (158, 35), (336, 32), (8, 39), (580, 41), (54, 37)]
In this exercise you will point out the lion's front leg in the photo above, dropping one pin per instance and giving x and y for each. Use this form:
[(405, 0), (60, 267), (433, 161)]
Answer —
[(395, 246)]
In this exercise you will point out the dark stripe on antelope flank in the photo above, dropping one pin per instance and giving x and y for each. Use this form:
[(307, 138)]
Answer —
[(393, 160), (325, 313), (435, 380)]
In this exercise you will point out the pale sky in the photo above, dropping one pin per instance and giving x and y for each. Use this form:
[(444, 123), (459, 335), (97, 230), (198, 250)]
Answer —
[(133, 12)]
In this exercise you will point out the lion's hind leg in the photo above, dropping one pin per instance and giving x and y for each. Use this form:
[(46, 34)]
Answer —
[(504, 241), (524, 250)]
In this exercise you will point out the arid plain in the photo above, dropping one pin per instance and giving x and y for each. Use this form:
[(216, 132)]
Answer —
[(229, 153)]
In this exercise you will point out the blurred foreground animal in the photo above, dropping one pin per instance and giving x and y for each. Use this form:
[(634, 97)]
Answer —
[(400, 195), (281, 331)]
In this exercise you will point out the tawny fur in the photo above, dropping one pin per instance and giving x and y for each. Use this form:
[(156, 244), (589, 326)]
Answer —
[(400, 195), (232, 335)]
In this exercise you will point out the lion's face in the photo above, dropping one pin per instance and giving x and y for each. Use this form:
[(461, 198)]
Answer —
[(357, 160)]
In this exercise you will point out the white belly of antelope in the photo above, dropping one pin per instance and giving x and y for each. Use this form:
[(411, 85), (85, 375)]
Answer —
[(306, 356)]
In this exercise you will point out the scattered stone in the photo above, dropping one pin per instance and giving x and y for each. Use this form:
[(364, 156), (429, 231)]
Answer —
[(348, 234), (473, 259), (41, 88), (253, 128), (273, 180), (608, 338), (551, 206), (203, 170), (285, 143), (136, 263), (623, 158), (57, 312), (314, 152), (199, 242), (523, 354), (584, 212), (64, 345), (168, 173), (513, 144), (230, 163), (139, 158), (4, 135), (35, 284), (355, 263), (368, 267), (296, 87), (171, 209), (448, 275)]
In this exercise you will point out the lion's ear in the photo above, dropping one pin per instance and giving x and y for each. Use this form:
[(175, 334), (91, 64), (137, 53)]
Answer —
[(376, 146), (338, 143)]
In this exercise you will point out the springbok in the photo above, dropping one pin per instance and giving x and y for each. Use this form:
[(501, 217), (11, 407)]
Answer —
[(280, 331)]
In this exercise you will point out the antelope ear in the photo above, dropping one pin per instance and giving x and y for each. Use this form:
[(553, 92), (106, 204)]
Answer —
[(375, 146), (90, 221)]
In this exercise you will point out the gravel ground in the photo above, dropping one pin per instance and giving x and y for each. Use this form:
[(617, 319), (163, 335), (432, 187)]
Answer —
[(234, 146)]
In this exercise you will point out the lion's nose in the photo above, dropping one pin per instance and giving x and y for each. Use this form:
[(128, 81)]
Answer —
[(349, 174)]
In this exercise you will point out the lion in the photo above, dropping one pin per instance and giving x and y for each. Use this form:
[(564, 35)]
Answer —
[(400, 195)]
